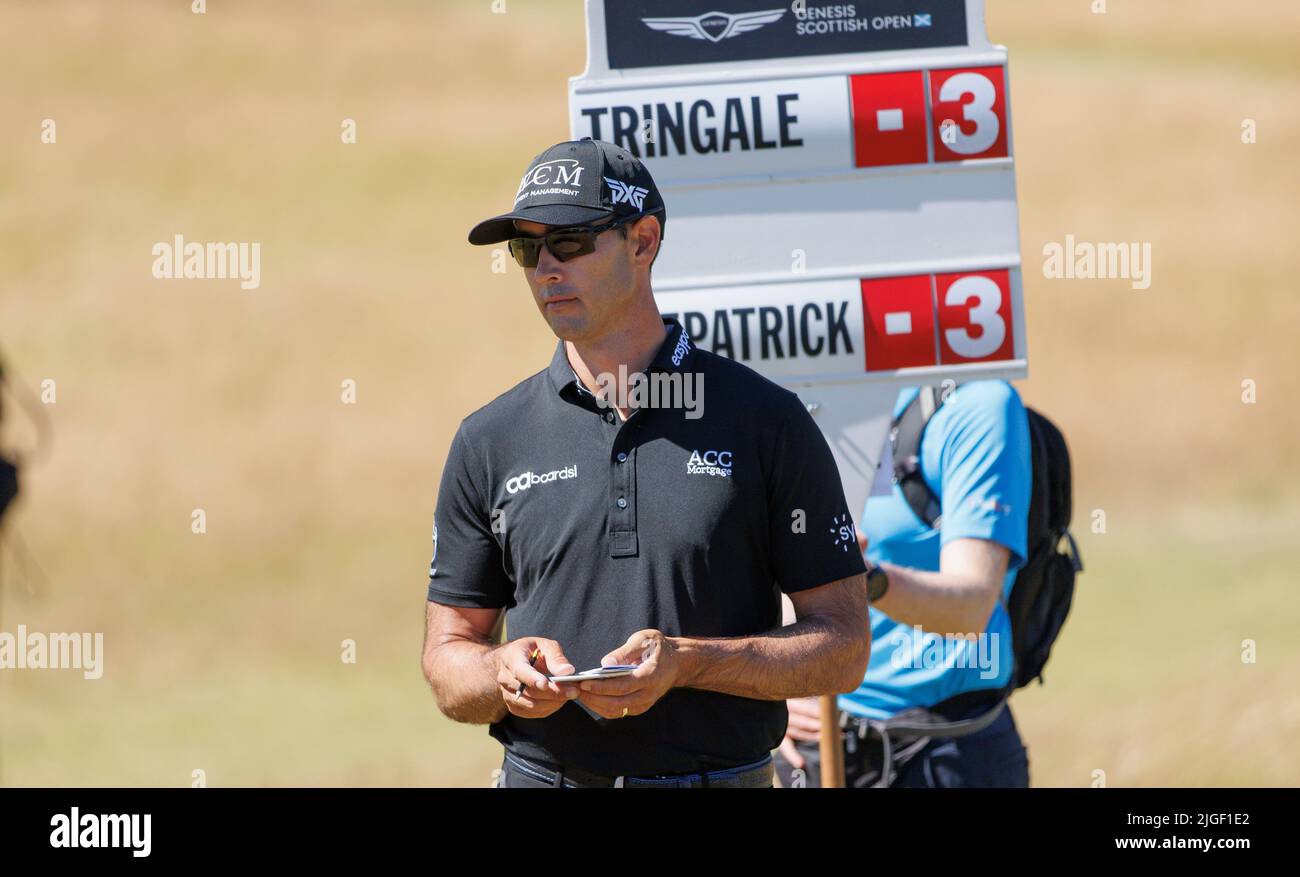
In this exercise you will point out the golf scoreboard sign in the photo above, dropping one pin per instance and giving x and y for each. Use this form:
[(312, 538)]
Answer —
[(840, 184)]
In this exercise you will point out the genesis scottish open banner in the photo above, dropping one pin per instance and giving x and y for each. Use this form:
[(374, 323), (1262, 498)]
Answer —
[(659, 33)]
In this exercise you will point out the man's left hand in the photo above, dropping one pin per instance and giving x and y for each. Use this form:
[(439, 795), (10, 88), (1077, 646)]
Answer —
[(660, 668)]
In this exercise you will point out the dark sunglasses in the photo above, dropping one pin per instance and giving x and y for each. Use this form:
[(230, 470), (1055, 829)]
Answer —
[(563, 243)]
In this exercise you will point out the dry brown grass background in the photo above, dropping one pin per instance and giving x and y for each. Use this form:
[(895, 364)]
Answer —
[(222, 650)]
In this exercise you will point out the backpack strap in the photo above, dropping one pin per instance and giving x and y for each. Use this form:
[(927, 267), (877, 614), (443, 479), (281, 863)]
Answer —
[(905, 437), (930, 724)]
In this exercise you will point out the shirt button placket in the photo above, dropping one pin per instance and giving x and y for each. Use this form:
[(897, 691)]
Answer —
[(622, 487), (623, 492)]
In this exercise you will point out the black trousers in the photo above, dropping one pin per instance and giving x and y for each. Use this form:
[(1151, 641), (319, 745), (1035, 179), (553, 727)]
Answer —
[(518, 774)]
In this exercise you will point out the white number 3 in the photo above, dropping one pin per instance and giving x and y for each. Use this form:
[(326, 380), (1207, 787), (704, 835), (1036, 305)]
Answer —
[(979, 111), (984, 314)]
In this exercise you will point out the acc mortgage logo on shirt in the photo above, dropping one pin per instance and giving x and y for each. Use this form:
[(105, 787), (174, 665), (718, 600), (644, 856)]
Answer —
[(658, 33), (525, 480), (709, 463)]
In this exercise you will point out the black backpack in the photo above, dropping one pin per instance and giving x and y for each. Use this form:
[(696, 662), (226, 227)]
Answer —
[(1044, 586)]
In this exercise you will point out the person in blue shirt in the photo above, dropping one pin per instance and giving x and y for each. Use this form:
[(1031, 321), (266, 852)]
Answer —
[(941, 643)]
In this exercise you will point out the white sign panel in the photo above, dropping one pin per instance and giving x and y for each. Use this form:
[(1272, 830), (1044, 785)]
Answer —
[(726, 130), (840, 190)]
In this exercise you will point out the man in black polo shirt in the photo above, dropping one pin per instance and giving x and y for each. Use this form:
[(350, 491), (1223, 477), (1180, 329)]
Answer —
[(607, 528)]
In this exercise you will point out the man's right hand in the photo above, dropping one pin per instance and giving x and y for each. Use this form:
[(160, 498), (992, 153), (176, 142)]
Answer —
[(805, 726), (540, 696)]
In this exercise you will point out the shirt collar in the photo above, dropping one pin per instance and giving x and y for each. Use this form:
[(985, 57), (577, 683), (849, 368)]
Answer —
[(674, 355)]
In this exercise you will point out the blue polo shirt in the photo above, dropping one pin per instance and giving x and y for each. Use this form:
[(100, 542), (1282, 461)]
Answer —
[(975, 456)]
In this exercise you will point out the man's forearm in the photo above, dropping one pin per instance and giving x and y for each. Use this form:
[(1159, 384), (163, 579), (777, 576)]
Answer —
[(942, 603), (815, 655), (463, 677)]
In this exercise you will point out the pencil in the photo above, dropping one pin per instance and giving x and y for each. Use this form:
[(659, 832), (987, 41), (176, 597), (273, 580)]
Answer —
[(532, 660)]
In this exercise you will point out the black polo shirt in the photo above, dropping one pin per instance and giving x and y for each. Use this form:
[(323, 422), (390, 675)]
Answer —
[(587, 528)]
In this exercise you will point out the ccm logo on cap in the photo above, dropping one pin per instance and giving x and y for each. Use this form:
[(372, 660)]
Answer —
[(561, 171)]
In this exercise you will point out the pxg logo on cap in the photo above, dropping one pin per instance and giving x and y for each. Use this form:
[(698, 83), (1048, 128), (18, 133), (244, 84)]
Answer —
[(574, 183)]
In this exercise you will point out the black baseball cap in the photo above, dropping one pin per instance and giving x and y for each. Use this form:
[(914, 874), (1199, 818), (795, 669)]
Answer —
[(574, 183)]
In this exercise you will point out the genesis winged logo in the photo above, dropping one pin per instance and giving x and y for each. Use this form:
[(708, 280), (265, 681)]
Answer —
[(714, 26), (621, 191)]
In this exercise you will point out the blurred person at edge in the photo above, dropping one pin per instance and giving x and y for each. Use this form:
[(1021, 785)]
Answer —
[(930, 589)]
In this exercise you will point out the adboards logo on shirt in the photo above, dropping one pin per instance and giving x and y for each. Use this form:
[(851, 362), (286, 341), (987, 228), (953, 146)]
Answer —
[(525, 480), (709, 463)]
